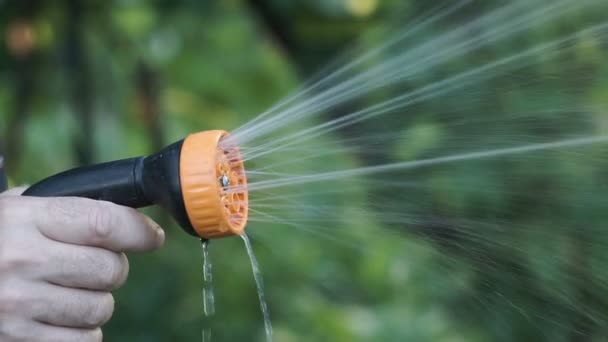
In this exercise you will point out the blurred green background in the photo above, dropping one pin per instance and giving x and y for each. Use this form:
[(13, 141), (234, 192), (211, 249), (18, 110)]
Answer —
[(90, 81)]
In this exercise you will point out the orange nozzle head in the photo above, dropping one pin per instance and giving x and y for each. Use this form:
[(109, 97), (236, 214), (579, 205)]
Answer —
[(214, 185)]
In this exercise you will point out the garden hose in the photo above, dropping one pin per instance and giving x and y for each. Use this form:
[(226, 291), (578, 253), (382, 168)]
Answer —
[(199, 180)]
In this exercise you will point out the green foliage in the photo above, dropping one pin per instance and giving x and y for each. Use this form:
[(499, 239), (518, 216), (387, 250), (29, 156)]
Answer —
[(216, 65)]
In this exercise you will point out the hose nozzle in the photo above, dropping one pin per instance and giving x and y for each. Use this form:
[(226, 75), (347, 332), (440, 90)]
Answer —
[(200, 180), (213, 185)]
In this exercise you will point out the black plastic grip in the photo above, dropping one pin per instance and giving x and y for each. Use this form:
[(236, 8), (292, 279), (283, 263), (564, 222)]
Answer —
[(113, 181)]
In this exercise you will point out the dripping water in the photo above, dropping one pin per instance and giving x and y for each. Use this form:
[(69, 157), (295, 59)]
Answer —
[(259, 283), (208, 297)]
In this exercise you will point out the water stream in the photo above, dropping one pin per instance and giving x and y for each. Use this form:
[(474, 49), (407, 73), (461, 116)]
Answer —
[(259, 283), (471, 141), (208, 297)]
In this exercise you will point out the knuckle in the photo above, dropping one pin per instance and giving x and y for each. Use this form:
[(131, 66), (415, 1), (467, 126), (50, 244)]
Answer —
[(101, 222), (13, 330), (16, 256), (9, 208), (12, 259), (12, 299)]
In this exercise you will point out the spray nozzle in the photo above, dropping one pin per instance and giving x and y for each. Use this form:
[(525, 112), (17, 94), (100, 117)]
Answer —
[(200, 181)]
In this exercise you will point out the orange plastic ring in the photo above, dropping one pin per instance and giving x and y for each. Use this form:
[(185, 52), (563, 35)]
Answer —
[(214, 185)]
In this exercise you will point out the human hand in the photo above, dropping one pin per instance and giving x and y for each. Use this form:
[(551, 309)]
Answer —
[(60, 258)]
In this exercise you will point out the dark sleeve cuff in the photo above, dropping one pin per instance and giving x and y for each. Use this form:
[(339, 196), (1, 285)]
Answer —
[(3, 183)]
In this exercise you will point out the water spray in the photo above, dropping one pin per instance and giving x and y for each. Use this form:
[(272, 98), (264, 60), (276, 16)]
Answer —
[(199, 180)]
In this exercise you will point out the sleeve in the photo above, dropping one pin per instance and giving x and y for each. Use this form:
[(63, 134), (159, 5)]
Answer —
[(3, 183)]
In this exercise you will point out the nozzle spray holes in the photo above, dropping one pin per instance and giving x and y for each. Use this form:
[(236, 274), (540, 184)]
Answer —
[(230, 173)]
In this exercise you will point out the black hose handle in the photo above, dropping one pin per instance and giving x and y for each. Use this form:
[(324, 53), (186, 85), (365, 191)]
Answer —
[(113, 181), (134, 182)]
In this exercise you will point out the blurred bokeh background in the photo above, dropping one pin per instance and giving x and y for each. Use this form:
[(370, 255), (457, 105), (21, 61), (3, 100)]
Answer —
[(90, 81)]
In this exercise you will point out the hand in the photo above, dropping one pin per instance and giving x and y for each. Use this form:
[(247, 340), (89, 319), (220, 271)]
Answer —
[(60, 258)]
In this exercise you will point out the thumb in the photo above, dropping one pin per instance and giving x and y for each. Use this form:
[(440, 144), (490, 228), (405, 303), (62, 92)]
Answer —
[(14, 191)]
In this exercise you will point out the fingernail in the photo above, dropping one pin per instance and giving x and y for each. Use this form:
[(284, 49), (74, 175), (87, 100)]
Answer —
[(160, 235), (151, 223)]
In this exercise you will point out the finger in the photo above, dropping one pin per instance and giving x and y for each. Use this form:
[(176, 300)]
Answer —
[(14, 191), (84, 267), (21, 330), (62, 334), (73, 308), (83, 221)]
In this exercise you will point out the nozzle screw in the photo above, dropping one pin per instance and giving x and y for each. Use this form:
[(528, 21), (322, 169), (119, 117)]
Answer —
[(225, 182)]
